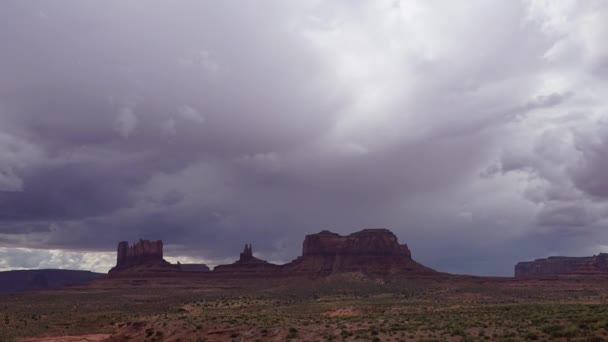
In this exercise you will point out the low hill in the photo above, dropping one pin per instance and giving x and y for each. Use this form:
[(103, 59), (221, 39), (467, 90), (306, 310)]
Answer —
[(35, 280)]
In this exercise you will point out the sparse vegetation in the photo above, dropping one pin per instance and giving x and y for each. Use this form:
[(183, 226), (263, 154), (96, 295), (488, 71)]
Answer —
[(336, 310)]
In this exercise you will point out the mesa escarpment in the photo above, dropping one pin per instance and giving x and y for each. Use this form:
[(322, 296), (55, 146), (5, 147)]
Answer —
[(144, 256), (560, 265), (373, 252), (370, 251), (144, 251)]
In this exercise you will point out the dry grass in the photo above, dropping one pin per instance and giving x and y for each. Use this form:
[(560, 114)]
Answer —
[(463, 309)]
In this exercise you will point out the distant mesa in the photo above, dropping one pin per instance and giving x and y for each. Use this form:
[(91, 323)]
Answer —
[(560, 265), (373, 252)]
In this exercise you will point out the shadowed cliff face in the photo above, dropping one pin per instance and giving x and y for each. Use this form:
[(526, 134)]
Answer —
[(563, 265), (144, 251), (370, 251), (143, 255), (365, 242)]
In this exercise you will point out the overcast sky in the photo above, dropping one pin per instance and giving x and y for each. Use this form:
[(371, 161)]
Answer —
[(476, 131)]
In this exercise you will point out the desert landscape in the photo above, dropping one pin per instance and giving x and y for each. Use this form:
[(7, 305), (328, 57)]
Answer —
[(361, 287), (340, 308), (283, 170)]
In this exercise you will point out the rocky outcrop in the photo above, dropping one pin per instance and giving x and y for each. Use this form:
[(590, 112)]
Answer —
[(247, 265), (559, 265), (370, 251), (144, 256)]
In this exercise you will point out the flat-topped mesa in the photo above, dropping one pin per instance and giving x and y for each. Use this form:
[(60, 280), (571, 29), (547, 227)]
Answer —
[(144, 255), (369, 251), (381, 242), (247, 264), (560, 265)]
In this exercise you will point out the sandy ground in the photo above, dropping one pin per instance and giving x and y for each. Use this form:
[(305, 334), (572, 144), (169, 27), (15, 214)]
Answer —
[(81, 338)]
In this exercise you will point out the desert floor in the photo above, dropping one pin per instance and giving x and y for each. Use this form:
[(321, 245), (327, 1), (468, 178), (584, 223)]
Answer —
[(344, 308)]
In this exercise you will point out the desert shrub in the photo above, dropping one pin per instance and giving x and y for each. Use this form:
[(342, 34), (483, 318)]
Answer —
[(553, 330), (346, 333), (531, 336), (458, 331), (293, 332)]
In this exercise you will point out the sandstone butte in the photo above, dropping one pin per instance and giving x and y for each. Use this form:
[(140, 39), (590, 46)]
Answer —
[(561, 265), (371, 252), (374, 252), (146, 257)]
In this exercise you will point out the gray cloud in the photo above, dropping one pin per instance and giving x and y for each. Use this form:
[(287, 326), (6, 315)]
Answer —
[(589, 173), (471, 130)]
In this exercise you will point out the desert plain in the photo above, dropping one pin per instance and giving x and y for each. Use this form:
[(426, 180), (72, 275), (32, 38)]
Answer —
[(345, 307)]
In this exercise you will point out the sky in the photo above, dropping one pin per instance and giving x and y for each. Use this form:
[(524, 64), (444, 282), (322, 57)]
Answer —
[(476, 131)]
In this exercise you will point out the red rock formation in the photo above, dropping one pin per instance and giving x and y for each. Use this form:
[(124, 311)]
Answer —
[(375, 252), (247, 254), (247, 264), (556, 265), (143, 256), (370, 251)]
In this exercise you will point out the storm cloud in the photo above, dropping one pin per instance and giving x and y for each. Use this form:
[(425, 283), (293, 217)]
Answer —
[(477, 132)]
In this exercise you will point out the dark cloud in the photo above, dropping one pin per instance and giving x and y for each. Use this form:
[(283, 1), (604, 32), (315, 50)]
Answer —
[(210, 125), (70, 191)]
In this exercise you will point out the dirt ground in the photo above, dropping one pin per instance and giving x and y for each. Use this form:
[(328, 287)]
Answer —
[(343, 308), (81, 338)]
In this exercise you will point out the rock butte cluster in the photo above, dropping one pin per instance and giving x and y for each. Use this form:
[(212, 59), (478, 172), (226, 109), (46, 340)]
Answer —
[(557, 265), (370, 251), (373, 252), (146, 257)]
